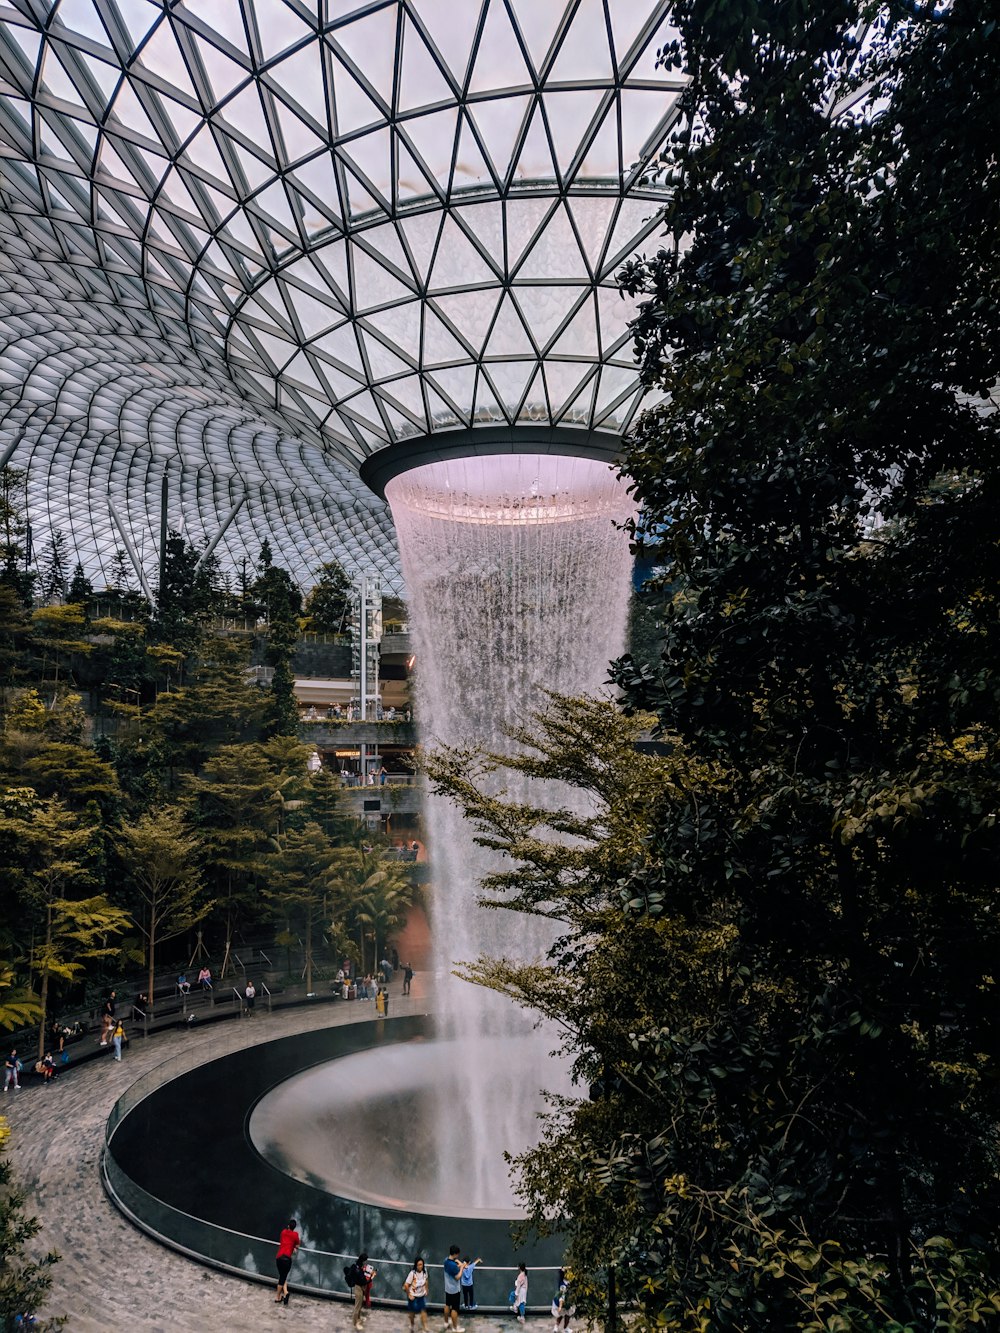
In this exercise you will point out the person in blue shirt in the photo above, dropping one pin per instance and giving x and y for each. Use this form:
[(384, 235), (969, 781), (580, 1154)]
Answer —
[(467, 1281), (453, 1268)]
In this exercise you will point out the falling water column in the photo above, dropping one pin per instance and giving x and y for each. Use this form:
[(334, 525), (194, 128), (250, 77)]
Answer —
[(517, 573)]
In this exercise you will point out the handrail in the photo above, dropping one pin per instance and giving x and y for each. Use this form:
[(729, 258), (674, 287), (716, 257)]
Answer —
[(268, 994)]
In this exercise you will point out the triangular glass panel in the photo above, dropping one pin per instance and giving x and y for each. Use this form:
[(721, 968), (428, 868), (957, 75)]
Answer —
[(257, 173), (508, 336), (470, 313), (362, 405), (592, 216), (223, 72), (626, 24), (580, 337), (420, 234), (129, 110), (524, 218), (470, 165), (311, 315), (452, 28), (162, 57), (300, 369), (642, 111), (374, 285), (421, 82), (510, 378), (457, 384), (277, 351), (580, 410), (585, 53), (278, 26), (245, 114), (411, 182), (485, 223), (643, 63), (355, 108), (359, 200), (383, 362), (433, 140), (273, 203), (458, 262), (569, 116), (440, 345), (341, 385), (407, 394), (57, 80), (299, 140), (534, 161), (500, 120), (370, 43), (556, 253), (80, 16), (536, 403), (487, 408), (538, 24), (106, 76), (298, 80), (615, 381), (182, 119), (341, 345), (384, 242), (226, 20), (176, 194), (635, 217), (614, 314), (562, 381), (370, 157), (202, 152), (442, 413), (400, 325), (545, 308), (601, 158), (317, 176), (499, 61), (402, 426), (331, 262)]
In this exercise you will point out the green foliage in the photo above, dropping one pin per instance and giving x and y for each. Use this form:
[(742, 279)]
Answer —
[(24, 1282), (160, 858), (328, 601), (300, 885), (187, 597)]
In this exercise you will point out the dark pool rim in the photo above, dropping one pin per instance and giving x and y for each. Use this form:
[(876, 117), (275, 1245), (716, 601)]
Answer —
[(235, 1082)]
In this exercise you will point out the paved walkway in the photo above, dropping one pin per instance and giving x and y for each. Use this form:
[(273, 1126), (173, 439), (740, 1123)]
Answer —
[(112, 1276)]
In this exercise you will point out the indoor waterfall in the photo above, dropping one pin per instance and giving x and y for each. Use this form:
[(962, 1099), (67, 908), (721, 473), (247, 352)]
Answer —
[(517, 575)]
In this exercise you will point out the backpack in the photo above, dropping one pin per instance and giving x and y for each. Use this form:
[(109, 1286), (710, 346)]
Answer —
[(351, 1275)]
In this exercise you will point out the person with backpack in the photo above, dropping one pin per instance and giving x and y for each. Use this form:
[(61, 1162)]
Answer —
[(359, 1277), (288, 1242), (453, 1267)]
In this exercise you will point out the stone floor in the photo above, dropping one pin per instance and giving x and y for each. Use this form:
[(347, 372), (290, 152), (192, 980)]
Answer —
[(114, 1278)]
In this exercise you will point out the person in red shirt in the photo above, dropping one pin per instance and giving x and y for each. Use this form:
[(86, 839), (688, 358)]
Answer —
[(287, 1245)]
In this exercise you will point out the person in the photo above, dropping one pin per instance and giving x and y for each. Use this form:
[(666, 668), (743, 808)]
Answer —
[(107, 1018), (117, 1038), (12, 1068), (380, 1003), (288, 1242), (417, 1293), (467, 1282), (47, 1068), (251, 998), (361, 1278), (453, 1267), (561, 1308), (183, 985), (407, 978), (205, 978), (520, 1292)]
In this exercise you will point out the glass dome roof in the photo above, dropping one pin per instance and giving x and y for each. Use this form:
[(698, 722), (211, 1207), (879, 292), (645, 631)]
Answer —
[(247, 243)]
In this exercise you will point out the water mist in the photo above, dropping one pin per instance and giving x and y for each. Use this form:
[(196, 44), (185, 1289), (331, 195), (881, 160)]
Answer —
[(517, 574)]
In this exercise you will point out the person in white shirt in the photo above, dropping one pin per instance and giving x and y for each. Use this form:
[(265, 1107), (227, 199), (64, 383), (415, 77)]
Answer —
[(415, 1287)]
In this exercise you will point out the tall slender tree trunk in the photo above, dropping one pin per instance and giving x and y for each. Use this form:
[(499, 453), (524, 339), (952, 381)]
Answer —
[(151, 982), (43, 998), (309, 950)]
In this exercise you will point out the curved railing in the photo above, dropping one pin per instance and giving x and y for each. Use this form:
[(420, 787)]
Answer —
[(316, 1272)]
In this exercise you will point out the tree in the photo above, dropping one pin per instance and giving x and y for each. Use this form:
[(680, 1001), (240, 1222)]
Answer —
[(186, 599), (281, 602), (59, 632), (160, 857), (329, 600), (54, 568), (24, 1283), (299, 884), (15, 535), (822, 476), (373, 895), (81, 590)]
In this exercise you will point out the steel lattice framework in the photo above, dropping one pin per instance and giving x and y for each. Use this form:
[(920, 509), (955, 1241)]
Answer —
[(245, 244)]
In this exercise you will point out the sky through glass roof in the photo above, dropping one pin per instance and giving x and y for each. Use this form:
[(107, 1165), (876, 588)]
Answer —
[(248, 243)]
